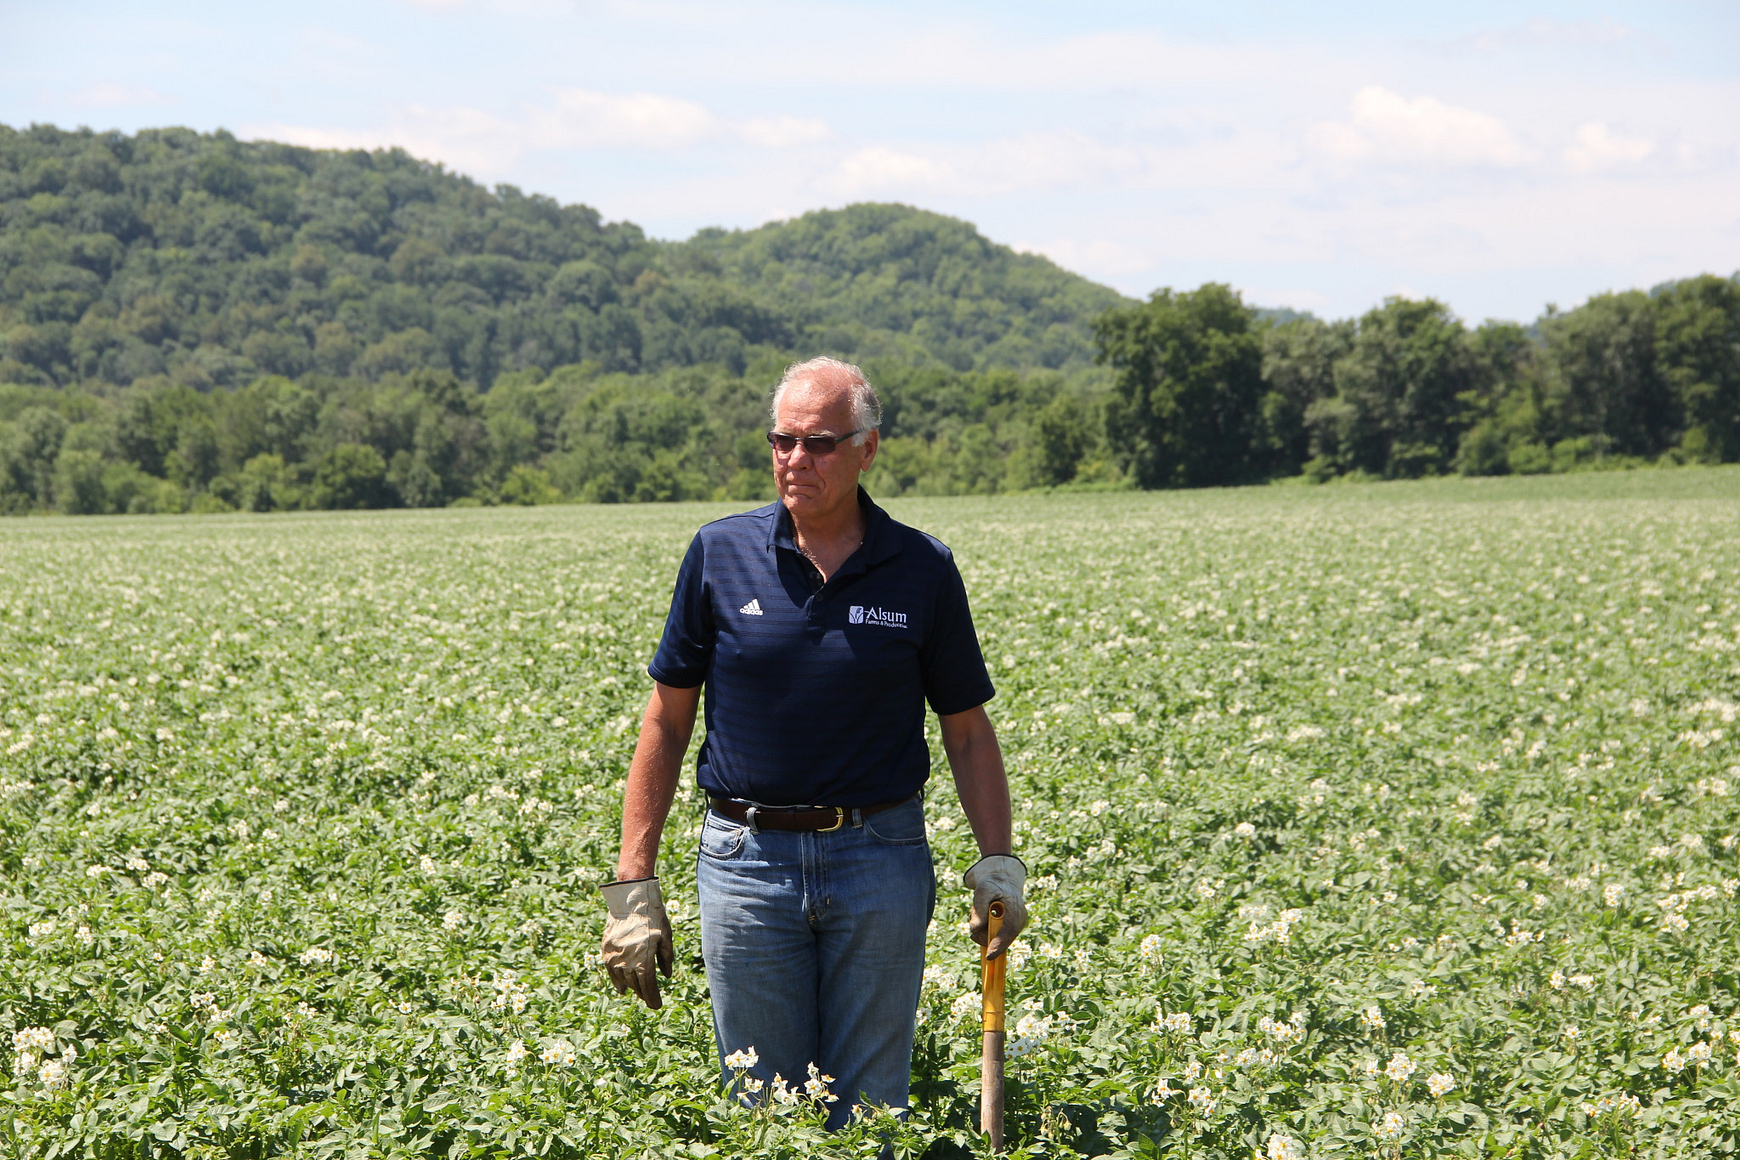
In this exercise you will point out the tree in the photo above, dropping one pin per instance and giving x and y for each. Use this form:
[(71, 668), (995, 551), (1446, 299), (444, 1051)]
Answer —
[(1188, 371), (78, 484), (352, 475), (1697, 341), (1604, 378), (1299, 357), (1508, 409), (527, 485), (1398, 391), (1063, 435), (28, 454)]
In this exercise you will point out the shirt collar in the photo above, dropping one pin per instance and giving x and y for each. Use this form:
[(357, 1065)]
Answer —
[(881, 540)]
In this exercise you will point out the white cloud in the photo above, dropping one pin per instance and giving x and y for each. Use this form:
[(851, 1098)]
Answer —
[(109, 95), (1598, 147), (785, 132), (1054, 160), (489, 145), (583, 119), (1387, 127), (1030, 161), (879, 171), (1285, 297), (312, 137), (1105, 259), (466, 140)]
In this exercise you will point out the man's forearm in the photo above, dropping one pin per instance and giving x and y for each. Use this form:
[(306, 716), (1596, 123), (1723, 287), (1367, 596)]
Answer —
[(977, 763), (652, 778)]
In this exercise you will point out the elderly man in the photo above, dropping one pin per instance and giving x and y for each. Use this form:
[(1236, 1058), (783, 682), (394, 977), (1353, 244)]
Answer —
[(819, 628)]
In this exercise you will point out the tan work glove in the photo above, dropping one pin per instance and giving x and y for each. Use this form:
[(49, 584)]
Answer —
[(636, 935), (994, 878)]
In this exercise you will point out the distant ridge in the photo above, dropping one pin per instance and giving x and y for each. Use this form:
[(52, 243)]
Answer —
[(212, 260)]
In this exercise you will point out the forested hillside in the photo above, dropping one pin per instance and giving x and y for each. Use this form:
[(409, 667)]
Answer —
[(213, 260), (188, 321)]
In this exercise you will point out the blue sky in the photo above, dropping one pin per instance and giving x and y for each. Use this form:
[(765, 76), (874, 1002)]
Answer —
[(1496, 156)]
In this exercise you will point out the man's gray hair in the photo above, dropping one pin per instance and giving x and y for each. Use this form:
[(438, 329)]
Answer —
[(831, 372)]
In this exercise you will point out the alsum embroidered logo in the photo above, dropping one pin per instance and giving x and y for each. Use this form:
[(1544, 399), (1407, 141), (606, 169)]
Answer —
[(858, 614)]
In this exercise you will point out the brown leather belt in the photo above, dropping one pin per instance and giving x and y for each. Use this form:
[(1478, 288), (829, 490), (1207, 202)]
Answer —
[(821, 819)]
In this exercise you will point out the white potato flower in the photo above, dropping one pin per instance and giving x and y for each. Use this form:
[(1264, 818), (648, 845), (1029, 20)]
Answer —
[(33, 1039), (560, 1053), (816, 1087), (1284, 1148)]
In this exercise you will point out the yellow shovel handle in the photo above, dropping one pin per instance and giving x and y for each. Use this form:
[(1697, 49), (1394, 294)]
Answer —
[(991, 973)]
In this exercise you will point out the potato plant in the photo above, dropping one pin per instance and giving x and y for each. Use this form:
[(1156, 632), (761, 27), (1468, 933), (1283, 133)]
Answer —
[(1391, 821)]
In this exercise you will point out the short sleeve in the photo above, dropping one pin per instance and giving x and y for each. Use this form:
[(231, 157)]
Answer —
[(955, 679), (685, 651)]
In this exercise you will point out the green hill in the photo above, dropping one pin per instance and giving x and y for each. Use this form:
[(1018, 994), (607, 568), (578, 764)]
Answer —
[(856, 278), (212, 261)]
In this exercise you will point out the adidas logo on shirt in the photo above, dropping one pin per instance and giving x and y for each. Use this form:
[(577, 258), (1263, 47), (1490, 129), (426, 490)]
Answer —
[(753, 608)]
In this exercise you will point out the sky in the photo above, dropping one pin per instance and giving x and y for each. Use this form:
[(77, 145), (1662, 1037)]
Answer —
[(1497, 157)]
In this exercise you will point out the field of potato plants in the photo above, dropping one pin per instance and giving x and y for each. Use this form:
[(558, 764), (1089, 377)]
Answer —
[(1387, 820)]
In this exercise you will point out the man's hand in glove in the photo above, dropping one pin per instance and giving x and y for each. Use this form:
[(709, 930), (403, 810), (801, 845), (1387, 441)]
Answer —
[(636, 935), (997, 878)]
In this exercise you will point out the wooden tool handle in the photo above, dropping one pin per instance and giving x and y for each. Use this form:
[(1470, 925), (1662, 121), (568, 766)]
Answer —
[(991, 1089)]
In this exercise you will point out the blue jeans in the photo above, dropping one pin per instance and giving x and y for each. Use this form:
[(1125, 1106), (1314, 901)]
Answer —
[(814, 944)]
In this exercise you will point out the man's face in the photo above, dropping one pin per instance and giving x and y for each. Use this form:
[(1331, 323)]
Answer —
[(819, 486)]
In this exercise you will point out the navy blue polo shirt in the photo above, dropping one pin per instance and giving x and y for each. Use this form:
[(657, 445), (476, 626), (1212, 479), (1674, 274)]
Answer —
[(815, 693)]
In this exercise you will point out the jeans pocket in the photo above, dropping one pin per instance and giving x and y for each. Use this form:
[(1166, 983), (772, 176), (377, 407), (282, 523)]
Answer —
[(901, 826), (721, 838)]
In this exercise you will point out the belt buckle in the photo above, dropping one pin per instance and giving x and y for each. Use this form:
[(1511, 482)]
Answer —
[(839, 820)]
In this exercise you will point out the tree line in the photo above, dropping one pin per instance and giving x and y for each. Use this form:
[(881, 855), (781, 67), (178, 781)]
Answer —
[(1204, 394), (1196, 389), (190, 322), (427, 439)]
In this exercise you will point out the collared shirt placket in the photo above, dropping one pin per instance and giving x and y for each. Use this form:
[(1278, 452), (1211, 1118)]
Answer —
[(822, 591)]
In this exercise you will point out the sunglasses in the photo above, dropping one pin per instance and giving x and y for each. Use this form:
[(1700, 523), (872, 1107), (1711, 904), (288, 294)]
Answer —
[(816, 445)]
